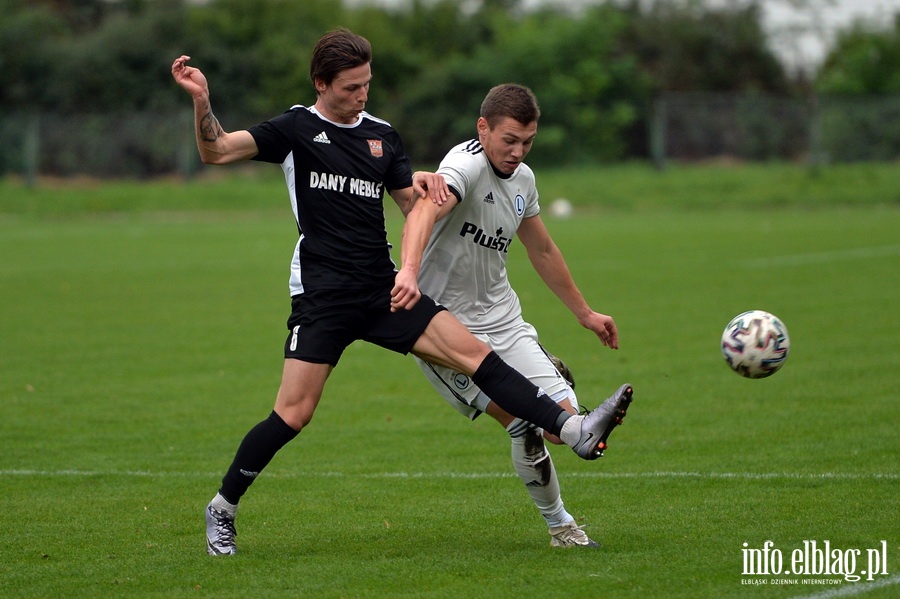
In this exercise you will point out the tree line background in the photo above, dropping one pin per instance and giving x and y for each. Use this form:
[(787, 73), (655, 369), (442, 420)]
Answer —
[(598, 73)]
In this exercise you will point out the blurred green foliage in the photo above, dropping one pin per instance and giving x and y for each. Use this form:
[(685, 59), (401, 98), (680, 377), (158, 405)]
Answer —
[(863, 61), (596, 71)]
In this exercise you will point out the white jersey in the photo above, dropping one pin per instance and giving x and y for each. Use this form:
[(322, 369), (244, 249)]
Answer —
[(464, 265)]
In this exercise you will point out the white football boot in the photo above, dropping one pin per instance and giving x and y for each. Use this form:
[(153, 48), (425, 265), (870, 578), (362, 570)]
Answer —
[(571, 535), (220, 532)]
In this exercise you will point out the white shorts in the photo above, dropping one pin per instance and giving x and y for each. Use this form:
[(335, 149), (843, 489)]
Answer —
[(518, 346)]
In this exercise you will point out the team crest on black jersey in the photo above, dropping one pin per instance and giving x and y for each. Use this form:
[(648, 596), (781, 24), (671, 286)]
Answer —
[(375, 148)]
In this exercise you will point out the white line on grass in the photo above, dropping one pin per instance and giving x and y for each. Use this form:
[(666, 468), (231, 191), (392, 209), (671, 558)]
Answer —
[(477, 475), (853, 590), (824, 257)]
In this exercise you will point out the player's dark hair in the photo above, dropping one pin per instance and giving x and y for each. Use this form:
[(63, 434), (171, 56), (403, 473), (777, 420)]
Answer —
[(510, 100), (337, 51)]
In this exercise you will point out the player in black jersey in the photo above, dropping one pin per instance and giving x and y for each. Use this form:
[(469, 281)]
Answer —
[(338, 162)]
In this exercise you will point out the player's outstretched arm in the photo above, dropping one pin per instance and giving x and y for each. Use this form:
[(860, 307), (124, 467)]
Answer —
[(215, 145), (417, 230), (550, 265)]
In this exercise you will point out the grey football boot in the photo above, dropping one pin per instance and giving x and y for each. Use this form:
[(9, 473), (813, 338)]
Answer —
[(563, 370), (600, 422)]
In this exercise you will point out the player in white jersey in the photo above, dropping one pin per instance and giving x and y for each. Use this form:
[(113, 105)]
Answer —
[(492, 198)]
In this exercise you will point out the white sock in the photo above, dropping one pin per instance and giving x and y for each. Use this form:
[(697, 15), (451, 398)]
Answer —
[(220, 503), (535, 468), (571, 430), (560, 518)]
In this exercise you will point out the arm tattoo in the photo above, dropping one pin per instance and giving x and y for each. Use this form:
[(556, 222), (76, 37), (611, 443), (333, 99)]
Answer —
[(210, 129)]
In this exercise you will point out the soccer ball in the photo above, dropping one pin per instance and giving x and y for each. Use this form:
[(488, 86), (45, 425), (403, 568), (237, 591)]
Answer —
[(755, 344)]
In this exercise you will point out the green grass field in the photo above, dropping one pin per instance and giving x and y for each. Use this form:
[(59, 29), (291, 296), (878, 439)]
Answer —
[(141, 337)]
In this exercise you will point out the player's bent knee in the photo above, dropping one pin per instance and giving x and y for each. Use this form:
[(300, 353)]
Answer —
[(295, 418), (296, 411)]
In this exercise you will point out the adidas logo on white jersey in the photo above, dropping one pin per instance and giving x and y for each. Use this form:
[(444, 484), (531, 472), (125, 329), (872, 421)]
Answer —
[(489, 198), (321, 138)]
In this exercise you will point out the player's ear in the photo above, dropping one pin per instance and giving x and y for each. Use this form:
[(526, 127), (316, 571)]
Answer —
[(482, 126)]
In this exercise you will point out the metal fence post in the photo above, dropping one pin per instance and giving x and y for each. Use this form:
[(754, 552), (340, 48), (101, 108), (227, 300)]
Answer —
[(31, 148), (816, 150), (658, 133), (186, 152)]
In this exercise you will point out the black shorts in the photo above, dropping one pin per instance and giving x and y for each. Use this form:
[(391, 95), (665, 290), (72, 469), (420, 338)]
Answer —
[(323, 323)]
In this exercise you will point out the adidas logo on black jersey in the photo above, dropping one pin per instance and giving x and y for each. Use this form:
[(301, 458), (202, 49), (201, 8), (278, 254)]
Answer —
[(489, 198), (321, 138)]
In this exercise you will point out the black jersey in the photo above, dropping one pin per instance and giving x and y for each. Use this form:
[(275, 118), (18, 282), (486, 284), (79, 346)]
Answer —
[(336, 176)]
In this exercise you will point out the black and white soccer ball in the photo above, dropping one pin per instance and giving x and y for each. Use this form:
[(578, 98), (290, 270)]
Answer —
[(755, 344)]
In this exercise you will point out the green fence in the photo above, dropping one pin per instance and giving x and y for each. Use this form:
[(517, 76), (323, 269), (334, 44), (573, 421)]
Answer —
[(755, 127), (682, 127)]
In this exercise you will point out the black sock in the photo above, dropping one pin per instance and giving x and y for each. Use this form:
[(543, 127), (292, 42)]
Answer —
[(517, 395), (255, 452)]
